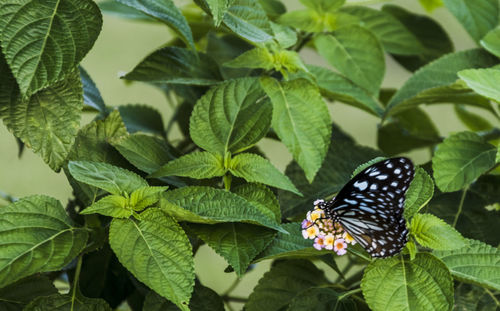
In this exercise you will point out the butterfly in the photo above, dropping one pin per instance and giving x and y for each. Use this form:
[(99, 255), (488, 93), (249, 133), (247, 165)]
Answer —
[(370, 206)]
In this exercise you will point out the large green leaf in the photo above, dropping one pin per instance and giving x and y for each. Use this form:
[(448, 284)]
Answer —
[(477, 263), (432, 232), (48, 121), (460, 159), (341, 160), (321, 298), (483, 81), (142, 118), (161, 258), (400, 284), (167, 12), (145, 152), (177, 66), (337, 87), (429, 33), (477, 17), (195, 165), (208, 205), (393, 35), (115, 180), (247, 19), (231, 116), (17, 295), (67, 302), (36, 235), (92, 144), (45, 40), (285, 280), (301, 120), (419, 194), (262, 197), (440, 73), (356, 53), (238, 243), (254, 168), (473, 121)]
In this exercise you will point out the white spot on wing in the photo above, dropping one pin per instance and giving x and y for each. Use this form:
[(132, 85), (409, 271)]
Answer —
[(381, 177), (361, 185)]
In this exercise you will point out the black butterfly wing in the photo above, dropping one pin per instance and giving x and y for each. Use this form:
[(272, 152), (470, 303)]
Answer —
[(370, 206)]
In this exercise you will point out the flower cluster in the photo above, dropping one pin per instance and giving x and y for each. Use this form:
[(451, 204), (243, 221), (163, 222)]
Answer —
[(325, 233)]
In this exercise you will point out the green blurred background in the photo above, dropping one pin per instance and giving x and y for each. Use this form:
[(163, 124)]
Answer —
[(123, 43)]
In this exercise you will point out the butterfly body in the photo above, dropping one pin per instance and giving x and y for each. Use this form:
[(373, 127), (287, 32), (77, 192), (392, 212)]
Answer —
[(370, 206)]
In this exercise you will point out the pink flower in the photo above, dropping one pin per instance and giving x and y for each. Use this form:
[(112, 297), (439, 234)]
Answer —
[(319, 242), (340, 247)]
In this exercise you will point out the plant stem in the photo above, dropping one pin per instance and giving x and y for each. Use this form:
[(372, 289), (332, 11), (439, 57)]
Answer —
[(349, 293), (75, 280), (232, 287), (492, 296), (227, 181), (460, 205)]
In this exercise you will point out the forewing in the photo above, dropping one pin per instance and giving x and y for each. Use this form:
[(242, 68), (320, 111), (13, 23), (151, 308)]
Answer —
[(370, 206)]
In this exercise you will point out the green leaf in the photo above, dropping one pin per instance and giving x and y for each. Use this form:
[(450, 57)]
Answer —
[(392, 34), (17, 295), (400, 284), (238, 243), (289, 245), (261, 197), (247, 19), (162, 257), (301, 120), (36, 235), (142, 118), (473, 121), (407, 130), (113, 179), (306, 20), (476, 263), (145, 197), (431, 5), (112, 205), (432, 232), (91, 95), (357, 54), (491, 41), (341, 160), (278, 286), (321, 298), (254, 168), (483, 81), (429, 33), (218, 8), (440, 73), (48, 121), (67, 302), (284, 35), (419, 194), (472, 220), (460, 159), (322, 6), (232, 116), (91, 144), (44, 41), (176, 66), (337, 87), (477, 17), (197, 165), (208, 205), (145, 152), (203, 299), (113, 8), (166, 12), (254, 58)]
